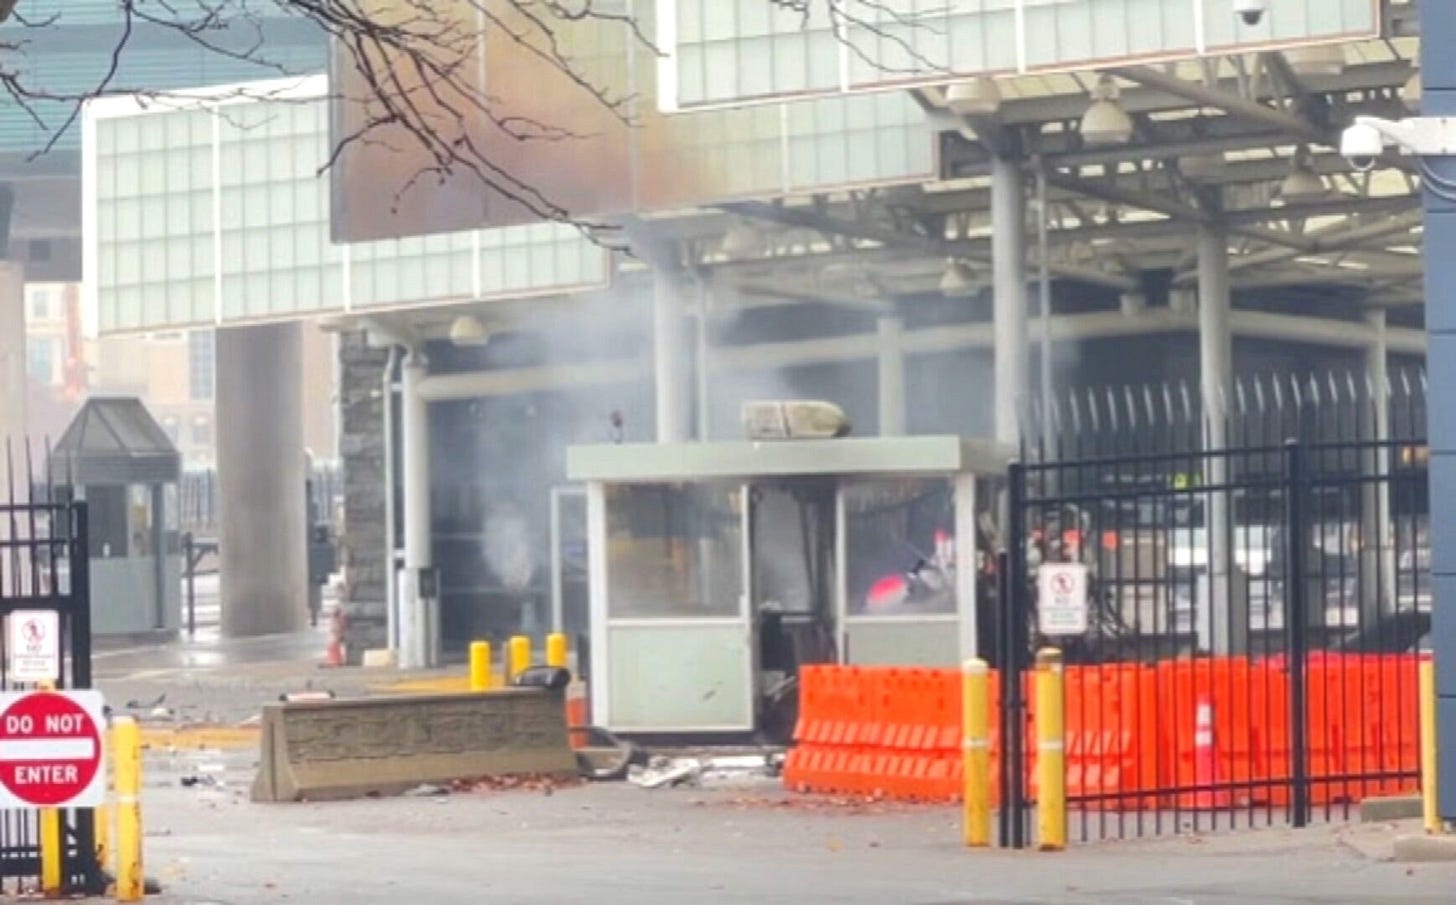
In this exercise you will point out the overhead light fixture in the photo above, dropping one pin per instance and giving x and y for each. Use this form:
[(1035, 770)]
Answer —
[(742, 240), (1196, 167), (1316, 60), (1132, 304), (1410, 93), (1302, 183), (1105, 122), (468, 330), (974, 97), (958, 280)]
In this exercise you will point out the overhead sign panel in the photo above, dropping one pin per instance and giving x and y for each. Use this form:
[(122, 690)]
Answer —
[(602, 150), (733, 52), (210, 210)]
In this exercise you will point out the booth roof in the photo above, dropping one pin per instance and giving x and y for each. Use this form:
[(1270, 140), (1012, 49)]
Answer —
[(115, 440)]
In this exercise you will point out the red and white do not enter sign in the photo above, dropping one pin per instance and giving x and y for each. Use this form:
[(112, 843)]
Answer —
[(51, 750)]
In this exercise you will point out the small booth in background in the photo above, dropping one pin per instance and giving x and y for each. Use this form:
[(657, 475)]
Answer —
[(717, 569), (116, 458)]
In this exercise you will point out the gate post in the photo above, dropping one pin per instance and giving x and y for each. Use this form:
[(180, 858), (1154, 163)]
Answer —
[(1014, 652), (1296, 630)]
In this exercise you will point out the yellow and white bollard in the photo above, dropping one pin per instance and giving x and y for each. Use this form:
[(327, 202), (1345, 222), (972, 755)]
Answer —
[(1051, 752), (520, 657), (126, 745), (976, 751), (1430, 813), (52, 840), (52, 853), (480, 666), (556, 650)]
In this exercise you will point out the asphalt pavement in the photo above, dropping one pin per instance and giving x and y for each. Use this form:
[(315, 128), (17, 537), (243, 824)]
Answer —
[(616, 843)]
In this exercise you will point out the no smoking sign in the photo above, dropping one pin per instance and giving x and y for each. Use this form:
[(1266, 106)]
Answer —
[(51, 750)]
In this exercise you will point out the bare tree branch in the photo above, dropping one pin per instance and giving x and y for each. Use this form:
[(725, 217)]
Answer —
[(421, 65)]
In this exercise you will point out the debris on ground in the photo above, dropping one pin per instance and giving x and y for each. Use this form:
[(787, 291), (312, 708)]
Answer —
[(426, 791), (193, 781), (666, 772), (525, 782), (852, 805)]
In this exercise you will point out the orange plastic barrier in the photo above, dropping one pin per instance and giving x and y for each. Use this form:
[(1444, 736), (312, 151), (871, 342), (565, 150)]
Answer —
[(1217, 730)]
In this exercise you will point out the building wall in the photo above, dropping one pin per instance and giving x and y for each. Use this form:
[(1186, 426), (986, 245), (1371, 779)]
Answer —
[(361, 446), (172, 372)]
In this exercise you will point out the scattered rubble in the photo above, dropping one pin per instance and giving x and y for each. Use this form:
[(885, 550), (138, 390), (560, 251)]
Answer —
[(735, 769)]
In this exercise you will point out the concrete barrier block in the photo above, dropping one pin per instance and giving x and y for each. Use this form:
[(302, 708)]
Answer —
[(1385, 810), (323, 750), (1425, 849)]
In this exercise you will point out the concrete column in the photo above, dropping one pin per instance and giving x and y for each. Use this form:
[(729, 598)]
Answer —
[(1008, 262), (261, 473), (13, 359), (892, 377), (419, 624), (670, 374), (1377, 530), (1226, 616), (1438, 98)]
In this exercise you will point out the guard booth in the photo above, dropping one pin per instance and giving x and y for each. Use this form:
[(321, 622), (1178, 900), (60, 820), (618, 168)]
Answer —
[(716, 569), (116, 458)]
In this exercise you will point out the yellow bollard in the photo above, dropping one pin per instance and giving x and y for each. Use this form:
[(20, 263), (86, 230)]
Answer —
[(520, 657), (1430, 814), (976, 751), (52, 852), (126, 743), (52, 840), (1051, 751), (101, 829), (480, 666), (556, 650)]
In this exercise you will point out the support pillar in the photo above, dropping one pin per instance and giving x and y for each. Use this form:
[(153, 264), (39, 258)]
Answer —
[(892, 377), (13, 360), (419, 604), (1008, 263), (260, 475), (1438, 98), (670, 373), (1377, 530), (1225, 616)]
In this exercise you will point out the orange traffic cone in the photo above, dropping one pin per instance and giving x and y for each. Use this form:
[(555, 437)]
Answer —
[(1205, 760), (578, 714), (334, 652)]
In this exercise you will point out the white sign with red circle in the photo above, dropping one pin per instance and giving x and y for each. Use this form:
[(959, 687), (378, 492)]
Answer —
[(34, 645), (51, 749), (1061, 604)]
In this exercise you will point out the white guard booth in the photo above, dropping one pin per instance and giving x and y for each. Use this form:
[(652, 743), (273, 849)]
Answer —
[(715, 569)]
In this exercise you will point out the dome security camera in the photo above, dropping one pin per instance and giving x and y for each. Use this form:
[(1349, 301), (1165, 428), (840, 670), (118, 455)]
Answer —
[(1251, 11), (1361, 144)]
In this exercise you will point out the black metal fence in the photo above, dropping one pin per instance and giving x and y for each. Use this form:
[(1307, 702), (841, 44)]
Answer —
[(44, 565), (198, 499), (1255, 613)]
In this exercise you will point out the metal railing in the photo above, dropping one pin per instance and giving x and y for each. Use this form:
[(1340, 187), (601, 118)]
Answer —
[(1256, 613), (44, 565)]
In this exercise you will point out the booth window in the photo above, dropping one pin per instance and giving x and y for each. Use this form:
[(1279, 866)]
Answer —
[(900, 547), (674, 552)]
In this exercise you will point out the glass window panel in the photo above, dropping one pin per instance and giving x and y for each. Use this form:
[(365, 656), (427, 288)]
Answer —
[(720, 20), (674, 552), (754, 17), (690, 20), (790, 62), (720, 60), (899, 547)]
